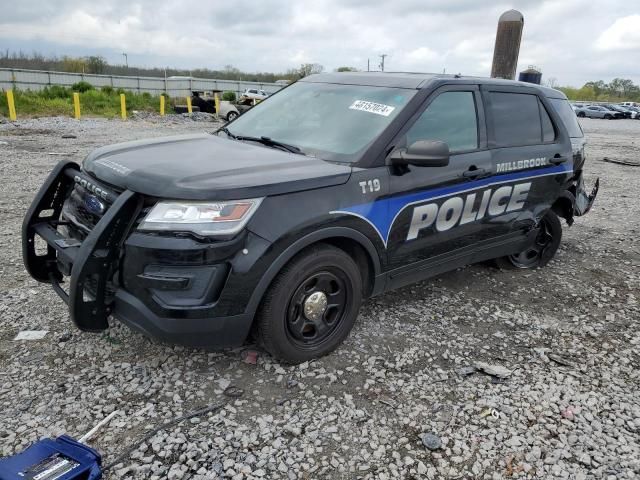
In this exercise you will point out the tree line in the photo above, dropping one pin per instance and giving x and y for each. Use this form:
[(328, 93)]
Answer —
[(96, 64), (618, 90)]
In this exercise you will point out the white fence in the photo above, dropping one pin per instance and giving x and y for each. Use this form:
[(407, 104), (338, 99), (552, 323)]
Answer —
[(21, 79)]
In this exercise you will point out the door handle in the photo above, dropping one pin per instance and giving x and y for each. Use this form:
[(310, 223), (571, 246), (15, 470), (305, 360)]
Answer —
[(558, 159), (474, 173)]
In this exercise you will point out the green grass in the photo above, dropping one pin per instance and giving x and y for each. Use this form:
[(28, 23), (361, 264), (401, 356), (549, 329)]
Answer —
[(94, 103)]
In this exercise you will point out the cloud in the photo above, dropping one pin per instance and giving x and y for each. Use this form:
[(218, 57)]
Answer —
[(624, 34), (275, 35)]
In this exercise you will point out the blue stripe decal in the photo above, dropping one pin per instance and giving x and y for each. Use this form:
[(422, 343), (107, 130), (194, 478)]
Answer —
[(382, 213)]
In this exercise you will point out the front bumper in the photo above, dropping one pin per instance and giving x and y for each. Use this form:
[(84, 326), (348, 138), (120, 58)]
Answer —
[(90, 263), (172, 289)]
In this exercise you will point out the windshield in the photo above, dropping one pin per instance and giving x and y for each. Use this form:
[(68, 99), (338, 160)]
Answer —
[(331, 121)]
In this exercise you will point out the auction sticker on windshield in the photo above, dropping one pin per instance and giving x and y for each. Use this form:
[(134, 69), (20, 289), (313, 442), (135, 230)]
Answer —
[(371, 107)]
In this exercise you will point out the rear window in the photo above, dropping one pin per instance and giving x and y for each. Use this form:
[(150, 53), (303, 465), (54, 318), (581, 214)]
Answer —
[(516, 119), (568, 116)]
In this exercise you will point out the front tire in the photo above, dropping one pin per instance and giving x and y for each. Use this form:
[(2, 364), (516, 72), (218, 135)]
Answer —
[(608, 117), (311, 306), (542, 251), (581, 114)]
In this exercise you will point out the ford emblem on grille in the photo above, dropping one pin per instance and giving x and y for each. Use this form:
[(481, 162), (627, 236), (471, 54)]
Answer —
[(94, 205)]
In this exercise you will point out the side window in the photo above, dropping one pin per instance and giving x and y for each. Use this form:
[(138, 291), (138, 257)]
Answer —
[(450, 118), (516, 119), (548, 132)]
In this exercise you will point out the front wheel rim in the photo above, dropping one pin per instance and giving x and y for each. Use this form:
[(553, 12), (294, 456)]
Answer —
[(317, 307), (531, 257)]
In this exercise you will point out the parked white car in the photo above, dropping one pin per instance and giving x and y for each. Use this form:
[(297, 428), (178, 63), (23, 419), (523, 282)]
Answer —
[(205, 101), (255, 94)]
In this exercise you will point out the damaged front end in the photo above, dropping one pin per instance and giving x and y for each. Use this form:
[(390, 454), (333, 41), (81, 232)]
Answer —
[(88, 258)]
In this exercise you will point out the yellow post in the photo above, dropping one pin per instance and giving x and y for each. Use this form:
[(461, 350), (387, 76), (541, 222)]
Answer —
[(189, 109), (123, 106), (76, 105), (161, 104), (12, 106), (216, 99)]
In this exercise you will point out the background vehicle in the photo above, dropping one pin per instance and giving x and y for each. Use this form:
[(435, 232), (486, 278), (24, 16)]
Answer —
[(636, 112), (579, 109), (598, 111), (630, 104), (617, 108), (206, 102), (255, 94)]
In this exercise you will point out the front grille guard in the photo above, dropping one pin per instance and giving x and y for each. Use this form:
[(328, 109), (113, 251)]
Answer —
[(90, 262)]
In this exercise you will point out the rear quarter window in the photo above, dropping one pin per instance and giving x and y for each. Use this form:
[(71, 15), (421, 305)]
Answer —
[(568, 117), (548, 131)]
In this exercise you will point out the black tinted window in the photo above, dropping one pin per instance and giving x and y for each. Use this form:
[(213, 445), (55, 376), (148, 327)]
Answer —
[(516, 119), (568, 116), (451, 118), (548, 132)]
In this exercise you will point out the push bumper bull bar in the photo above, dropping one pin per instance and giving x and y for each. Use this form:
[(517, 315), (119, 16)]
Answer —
[(92, 261)]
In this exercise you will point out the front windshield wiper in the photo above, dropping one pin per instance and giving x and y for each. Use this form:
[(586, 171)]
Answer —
[(226, 130), (269, 142)]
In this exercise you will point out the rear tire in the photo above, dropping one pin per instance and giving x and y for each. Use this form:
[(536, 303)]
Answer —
[(542, 251), (311, 306), (231, 116)]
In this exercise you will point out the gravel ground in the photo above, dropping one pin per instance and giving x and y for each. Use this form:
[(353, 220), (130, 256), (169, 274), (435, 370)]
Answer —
[(400, 399)]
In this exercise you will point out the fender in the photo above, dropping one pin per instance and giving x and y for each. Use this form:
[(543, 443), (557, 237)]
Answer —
[(305, 241)]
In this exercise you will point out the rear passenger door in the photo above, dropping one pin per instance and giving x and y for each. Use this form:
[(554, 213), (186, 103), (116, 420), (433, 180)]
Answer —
[(531, 152)]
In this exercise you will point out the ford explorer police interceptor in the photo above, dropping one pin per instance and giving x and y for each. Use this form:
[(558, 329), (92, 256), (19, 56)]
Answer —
[(335, 189)]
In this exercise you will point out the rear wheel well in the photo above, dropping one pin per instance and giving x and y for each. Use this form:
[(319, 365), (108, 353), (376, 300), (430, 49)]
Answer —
[(563, 207)]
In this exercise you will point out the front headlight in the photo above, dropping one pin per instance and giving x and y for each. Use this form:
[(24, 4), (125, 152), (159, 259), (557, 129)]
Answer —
[(202, 218)]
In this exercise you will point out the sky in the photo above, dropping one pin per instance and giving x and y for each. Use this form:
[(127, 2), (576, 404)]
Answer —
[(571, 41)]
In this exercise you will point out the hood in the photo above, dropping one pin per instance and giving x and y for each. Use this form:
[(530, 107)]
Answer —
[(207, 167)]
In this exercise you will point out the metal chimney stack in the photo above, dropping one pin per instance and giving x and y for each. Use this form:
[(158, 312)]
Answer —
[(507, 48)]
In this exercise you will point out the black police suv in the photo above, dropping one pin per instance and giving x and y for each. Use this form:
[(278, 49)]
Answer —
[(337, 188)]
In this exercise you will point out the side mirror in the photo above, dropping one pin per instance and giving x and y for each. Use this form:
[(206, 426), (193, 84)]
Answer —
[(423, 153)]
